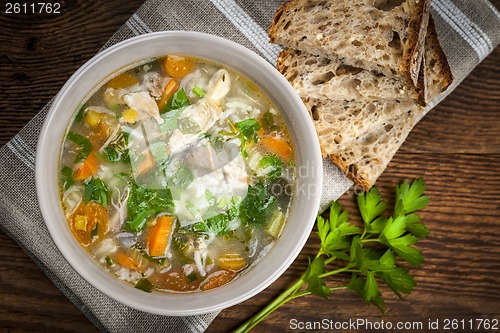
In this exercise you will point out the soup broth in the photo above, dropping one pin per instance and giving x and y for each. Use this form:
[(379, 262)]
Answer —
[(177, 175)]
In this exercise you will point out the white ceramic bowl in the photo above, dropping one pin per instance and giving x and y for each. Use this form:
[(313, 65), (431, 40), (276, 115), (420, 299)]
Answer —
[(306, 202)]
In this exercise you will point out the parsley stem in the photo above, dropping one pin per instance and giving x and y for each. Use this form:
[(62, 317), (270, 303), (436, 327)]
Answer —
[(307, 292), (337, 271), (371, 240), (284, 297)]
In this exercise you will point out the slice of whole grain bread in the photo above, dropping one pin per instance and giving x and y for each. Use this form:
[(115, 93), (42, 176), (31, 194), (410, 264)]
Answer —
[(319, 77), (386, 36), (322, 78), (362, 136)]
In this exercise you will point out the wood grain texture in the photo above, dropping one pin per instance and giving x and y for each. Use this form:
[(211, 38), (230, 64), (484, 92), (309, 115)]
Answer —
[(456, 148)]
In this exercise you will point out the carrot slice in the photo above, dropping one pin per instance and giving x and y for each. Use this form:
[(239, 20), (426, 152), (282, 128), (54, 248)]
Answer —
[(170, 88), (277, 146), (177, 67), (122, 81), (159, 235), (218, 279), (126, 261), (93, 213), (87, 168), (175, 280)]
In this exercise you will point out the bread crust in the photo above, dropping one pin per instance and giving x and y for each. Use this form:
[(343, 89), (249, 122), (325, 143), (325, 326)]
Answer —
[(418, 31), (434, 53)]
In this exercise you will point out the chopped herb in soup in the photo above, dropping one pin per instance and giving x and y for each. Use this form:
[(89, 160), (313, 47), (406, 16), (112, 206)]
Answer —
[(177, 175)]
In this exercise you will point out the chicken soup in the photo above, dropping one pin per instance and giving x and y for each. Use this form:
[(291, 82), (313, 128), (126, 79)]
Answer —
[(177, 175)]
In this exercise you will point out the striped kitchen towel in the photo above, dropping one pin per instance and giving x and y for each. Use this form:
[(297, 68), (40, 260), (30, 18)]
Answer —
[(468, 30)]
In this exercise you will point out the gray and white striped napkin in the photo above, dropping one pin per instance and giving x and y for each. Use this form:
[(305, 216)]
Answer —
[(468, 30)]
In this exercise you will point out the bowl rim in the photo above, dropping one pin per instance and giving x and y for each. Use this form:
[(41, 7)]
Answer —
[(85, 266)]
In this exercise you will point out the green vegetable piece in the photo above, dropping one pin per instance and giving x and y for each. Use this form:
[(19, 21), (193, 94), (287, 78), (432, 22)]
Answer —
[(258, 206), (248, 132), (144, 203), (145, 285), (111, 154), (192, 277), (118, 149), (80, 113), (276, 224), (109, 261), (67, 177), (198, 92), (178, 100), (84, 144), (273, 167), (268, 122), (97, 191), (219, 224), (248, 128)]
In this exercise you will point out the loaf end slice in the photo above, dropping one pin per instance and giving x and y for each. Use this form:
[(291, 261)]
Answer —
[(438, 72)]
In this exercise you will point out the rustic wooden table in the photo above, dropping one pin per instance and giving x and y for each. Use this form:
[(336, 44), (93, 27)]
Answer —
[(456, 148)]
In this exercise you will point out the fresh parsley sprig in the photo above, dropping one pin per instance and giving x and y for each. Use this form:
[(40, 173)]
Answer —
[(369, 255)]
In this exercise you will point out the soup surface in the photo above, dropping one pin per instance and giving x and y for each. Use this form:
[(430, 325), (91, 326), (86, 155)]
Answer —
[(177, 175)]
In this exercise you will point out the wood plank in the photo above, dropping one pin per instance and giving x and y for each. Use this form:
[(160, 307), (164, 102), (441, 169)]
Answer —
[(39, 53)]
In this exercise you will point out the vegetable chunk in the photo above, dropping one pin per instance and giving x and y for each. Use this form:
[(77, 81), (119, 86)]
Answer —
[(85, 219), (177, 67), (277, 146), (159, 235)]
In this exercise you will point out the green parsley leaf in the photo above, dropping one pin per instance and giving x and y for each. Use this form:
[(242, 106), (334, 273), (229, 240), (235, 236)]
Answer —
[(414, 226), (111, 154), (117, 150), (268, 122), (67, 177), (144, 203), (399, 280), (403, 247), (97, 191), (410, 198), (84, 144), (248, 132), (394, 227), (370, 291), (273, 167), (315, 284), (177, 101), (335, 234), (248, 127), (371, 205), (145, 285), (258, 205)]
